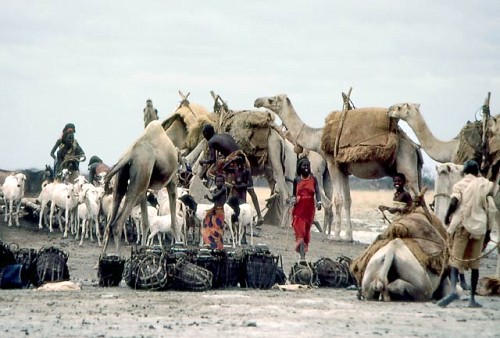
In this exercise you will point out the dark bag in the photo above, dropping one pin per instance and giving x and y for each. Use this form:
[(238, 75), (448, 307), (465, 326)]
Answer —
[(11, 277), (260, 267), (110, 270)]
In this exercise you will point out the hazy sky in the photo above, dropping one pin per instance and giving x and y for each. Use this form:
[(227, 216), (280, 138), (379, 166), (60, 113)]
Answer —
[(95, 63)]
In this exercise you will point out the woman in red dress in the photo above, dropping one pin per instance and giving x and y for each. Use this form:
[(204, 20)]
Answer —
[(305, 197)]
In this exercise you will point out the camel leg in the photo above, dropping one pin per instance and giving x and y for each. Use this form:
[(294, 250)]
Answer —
[(337, 178), (142, 230)]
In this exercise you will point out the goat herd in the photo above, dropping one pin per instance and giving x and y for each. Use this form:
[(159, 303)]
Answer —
[(82, 209)]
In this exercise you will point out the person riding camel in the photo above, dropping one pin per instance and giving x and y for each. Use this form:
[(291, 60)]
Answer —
[(221, 149), (96, 167)]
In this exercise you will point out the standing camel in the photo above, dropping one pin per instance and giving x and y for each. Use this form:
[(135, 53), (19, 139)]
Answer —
[(150, 163), (406, 157)]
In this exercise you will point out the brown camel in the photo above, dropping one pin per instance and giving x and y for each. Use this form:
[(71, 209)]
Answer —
[(403, 156), (150, 163)]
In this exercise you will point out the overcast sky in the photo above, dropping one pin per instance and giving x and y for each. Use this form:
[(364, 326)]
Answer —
[(95, 63)]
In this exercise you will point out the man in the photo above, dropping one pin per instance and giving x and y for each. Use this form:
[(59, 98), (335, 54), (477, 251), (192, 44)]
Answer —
[(224, 145), (470, 208)]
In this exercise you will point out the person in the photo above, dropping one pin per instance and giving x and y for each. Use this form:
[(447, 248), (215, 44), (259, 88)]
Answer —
[(150, 113), (219, 144), (96, 167), (213, 224), (68, 128), (241, 177), (467, 219), (402, 199), (305, 192), (224, 145), (70, 153)]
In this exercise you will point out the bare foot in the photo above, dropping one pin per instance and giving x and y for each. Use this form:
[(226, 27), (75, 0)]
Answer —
[(474, 304), (445, 301)]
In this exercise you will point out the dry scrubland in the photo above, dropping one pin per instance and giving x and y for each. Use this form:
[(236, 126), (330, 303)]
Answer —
[(319, 312)]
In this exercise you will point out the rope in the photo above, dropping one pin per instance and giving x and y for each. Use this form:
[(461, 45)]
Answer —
[(476, 258)]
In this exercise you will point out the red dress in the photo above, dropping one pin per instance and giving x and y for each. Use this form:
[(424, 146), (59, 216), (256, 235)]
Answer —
[(303, 212)]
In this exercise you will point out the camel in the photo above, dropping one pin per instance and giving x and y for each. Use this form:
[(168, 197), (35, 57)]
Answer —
[(439, 151), (150, 163), (406, 158), (447, 175), (408, 261)]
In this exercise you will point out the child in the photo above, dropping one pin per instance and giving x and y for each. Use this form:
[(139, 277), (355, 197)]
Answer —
[(402, 199), (213, 224)]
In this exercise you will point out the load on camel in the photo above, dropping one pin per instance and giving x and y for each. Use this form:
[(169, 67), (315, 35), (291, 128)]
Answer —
[(150, 163), (351, 146), (407, 262)]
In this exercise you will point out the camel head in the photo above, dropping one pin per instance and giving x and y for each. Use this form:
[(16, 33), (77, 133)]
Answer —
[(403, 111), (274, 103)]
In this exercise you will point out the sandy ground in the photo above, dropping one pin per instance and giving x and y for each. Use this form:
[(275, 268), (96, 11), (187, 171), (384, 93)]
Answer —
[(319, 312)]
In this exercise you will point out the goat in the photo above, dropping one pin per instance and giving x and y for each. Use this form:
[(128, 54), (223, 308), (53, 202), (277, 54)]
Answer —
[(13, 191), (64, 197), (136, 216), (88, 211), (196, 214), (244, 215), (160, 224)]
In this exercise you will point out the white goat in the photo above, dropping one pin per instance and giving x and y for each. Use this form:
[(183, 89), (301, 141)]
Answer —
[(45, 196), (63, 196), (88, 211), (137, 220), (13, 191), (246, 219), (159, 225)]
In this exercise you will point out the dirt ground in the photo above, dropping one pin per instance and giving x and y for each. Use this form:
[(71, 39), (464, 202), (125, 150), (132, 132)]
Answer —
[(319, 312)]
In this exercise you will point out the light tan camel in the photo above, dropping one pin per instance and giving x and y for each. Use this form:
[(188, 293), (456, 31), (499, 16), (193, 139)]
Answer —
[(439, 151), (407, 158), (447, 175), (150, 163)]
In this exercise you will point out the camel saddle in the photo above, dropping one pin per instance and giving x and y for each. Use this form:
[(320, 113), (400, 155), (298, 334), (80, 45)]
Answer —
[(366, 134)]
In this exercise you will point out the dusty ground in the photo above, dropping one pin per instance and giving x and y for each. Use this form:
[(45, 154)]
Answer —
[(122, 312)]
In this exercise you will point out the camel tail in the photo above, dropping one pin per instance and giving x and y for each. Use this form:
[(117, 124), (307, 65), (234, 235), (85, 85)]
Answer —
[(125, 160)]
